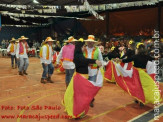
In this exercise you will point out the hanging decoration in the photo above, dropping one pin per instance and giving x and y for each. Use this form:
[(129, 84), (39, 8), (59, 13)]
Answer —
[(17, 15), (42, 9), (90, 9), (27, 26), (81, 8)]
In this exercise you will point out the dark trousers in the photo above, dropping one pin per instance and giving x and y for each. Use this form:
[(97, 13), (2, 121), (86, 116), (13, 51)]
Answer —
[(69, 74)]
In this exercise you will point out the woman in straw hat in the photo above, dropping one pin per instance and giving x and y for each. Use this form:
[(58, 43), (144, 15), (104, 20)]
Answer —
[(12, 50), (21, 55), (46, 56), (80, 91)]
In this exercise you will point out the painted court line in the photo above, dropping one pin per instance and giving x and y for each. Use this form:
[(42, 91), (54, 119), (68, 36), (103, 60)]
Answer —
[(36, 74), (21, 113), (106, 112), (11, 98), (8, 90), (154, 120), (147, 116), (23, 87), (36, 85), (9, 76)]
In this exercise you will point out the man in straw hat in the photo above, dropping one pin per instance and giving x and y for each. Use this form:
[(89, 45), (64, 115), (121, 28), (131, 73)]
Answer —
[(92, 52), (21, 55), (67, 53), (12, 50), (46, 56)]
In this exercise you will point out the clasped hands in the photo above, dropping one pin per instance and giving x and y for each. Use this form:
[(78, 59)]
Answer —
[(117, 60)]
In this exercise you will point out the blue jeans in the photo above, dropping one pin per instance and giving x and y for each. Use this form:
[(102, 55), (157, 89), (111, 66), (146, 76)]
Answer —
[(47, 70), (92, 78), (13, 57), (23, 64), (69, 74), (18, 63)]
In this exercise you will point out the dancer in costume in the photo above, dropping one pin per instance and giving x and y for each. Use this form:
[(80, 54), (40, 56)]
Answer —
[(92, 52), (80, 91), (67, 54), (57, 49), (140, 58), (130, 51), (21, 55), (109, 75), (139, 84), (46, 56), (112, 54), (12, 50)]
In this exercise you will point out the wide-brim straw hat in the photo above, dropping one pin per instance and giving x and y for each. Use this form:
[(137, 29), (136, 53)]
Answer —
[(23, 38), (49, 39), (91, 38), (13, 40), (17, 40), (71, 39), (98, 42)]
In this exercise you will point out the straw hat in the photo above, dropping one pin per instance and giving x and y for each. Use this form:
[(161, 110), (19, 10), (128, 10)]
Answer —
[(23, 38), (12, 40), (49, 39), (17, 40), (91, 38), (98, 42), (70, 39)]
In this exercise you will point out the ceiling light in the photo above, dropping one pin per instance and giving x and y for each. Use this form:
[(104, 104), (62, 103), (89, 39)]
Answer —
[(35, 1)]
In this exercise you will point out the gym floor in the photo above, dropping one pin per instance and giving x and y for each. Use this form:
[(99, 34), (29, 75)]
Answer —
[(24, 99)]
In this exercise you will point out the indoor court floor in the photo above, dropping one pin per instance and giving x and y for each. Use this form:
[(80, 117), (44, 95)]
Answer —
[(24, 96)]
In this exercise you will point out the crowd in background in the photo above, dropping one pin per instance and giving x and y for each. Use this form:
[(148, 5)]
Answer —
[(104, 44), (32, 44)]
